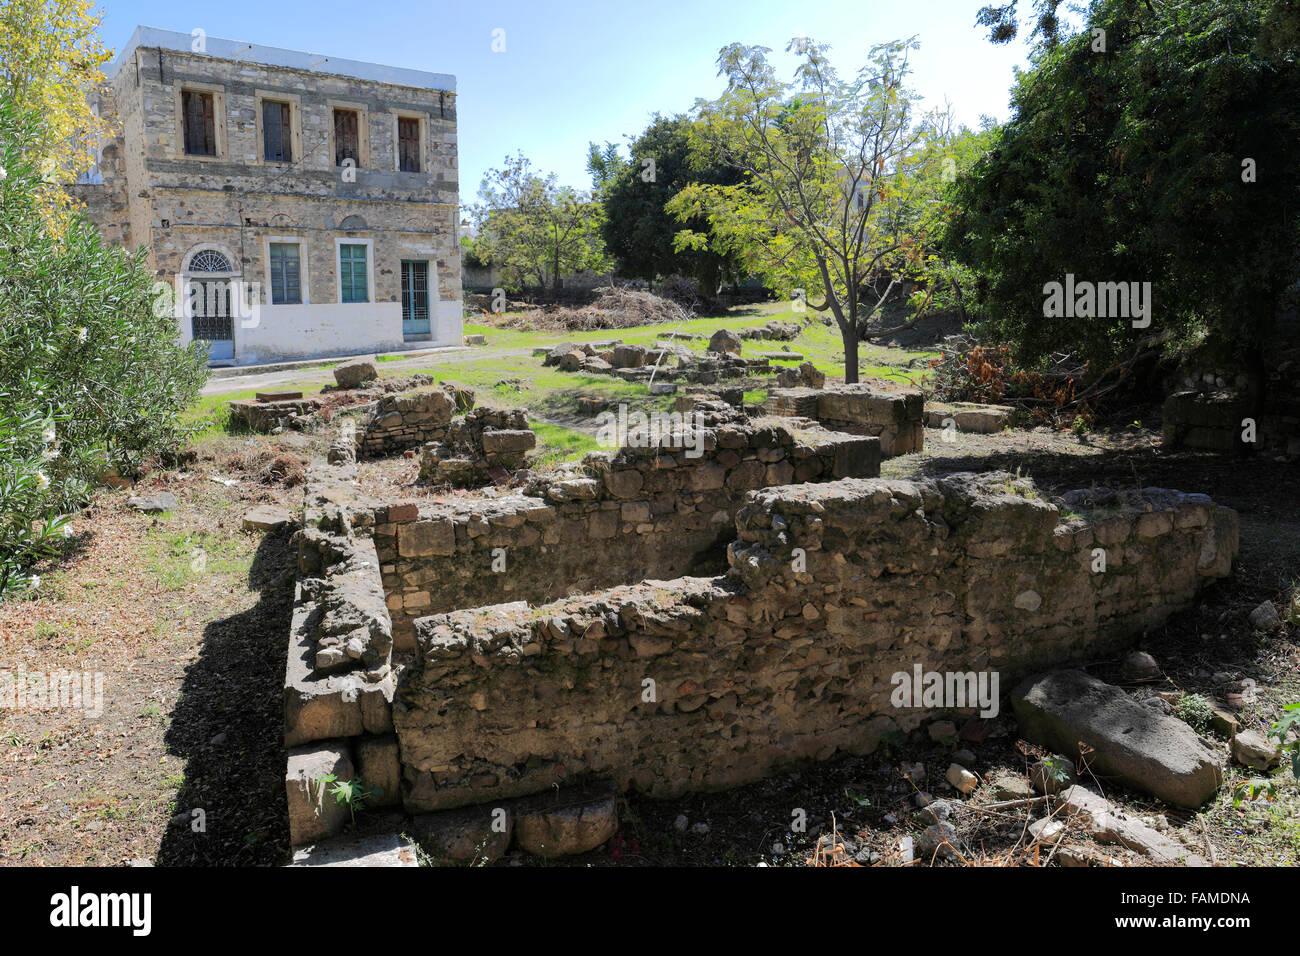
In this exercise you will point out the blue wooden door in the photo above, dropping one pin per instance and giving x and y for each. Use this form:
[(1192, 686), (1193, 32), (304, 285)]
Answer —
[(415, 298)]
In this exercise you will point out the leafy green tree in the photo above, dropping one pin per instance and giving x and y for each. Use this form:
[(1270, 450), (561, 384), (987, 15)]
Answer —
[(91, 375), (638, 231), (604, 163), (1171, 156), (531, 228), (1003, 22), (50, 57), (839, 185)]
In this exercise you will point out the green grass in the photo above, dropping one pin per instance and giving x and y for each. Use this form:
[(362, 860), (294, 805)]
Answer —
[(520, 381), (817, 343), (176, 557), (556, 444)]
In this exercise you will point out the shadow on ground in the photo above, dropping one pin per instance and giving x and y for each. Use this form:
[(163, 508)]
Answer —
[(227, 726)]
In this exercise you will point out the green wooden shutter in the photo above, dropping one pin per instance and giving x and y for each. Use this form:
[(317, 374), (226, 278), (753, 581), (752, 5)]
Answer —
[(352, 273), (286, 274)]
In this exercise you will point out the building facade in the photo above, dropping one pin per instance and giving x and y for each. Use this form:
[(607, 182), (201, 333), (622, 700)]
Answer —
[(295, 205)]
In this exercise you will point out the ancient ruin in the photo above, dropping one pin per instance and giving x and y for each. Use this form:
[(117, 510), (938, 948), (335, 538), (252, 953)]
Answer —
[(737, 597)]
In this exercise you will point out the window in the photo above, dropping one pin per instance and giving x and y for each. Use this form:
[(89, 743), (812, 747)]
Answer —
[(276, 146), (347, 140), (408, 144), (209, 260), (200, 123), (286, 274), (352, 273)]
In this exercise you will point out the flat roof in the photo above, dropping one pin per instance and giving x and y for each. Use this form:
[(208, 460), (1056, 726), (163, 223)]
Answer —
[(151, 38)]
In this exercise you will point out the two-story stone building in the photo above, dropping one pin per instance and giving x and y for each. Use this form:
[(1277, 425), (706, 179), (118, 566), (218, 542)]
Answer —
[(301, 205)]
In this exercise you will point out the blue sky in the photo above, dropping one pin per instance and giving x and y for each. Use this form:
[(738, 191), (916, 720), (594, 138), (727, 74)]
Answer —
[(582, 71)]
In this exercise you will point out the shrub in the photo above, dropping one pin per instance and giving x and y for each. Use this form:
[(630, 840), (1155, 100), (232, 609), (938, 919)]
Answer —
[(90, 376)]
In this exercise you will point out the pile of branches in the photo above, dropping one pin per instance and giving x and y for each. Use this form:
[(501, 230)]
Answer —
[(969, 372), (1063, 392), (614, 308)]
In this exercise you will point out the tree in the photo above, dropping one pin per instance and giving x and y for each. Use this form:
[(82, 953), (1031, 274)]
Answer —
[(532, 228), (50, 59), (834, 199), (1173, 157), (1004, 22), (604, 163), (638, 231)]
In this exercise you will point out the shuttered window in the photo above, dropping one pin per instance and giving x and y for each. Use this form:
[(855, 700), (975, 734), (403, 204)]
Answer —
[(408, 145), (200, 123), (276, 147), (286, 274), (352, 273), (347, 141)]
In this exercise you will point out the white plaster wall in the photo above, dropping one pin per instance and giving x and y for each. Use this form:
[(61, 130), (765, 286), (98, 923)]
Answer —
[(288, 332), (448, 325), (281, 333)]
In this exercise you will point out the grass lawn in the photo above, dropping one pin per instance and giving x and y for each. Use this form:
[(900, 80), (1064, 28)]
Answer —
[(817, 343), (507, 373)]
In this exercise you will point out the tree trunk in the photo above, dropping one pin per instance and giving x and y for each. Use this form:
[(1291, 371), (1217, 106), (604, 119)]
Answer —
[(961, 302), (850, 337)]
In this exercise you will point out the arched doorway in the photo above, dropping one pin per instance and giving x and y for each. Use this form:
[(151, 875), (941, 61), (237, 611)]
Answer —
[(209, 286)]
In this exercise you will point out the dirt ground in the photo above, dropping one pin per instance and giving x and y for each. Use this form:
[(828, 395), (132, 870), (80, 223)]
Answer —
[(185, 617)]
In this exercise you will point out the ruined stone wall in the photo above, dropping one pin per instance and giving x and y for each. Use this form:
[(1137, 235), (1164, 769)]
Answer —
[(408, 419), (339, 680), (1215, 421), (895, 417), (614, 518), (106, 202), (833, 588)]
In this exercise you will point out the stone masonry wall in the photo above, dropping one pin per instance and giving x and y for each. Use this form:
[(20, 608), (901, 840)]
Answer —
[(407, 419), (895, 417), (789, 655), (339, 679), (654, 512), (1215, 421)]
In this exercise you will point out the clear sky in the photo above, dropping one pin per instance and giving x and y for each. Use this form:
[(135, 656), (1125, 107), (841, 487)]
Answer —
[(578, 71)]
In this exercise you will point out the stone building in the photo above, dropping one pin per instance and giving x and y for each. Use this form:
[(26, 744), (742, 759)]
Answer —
[(297, 205)]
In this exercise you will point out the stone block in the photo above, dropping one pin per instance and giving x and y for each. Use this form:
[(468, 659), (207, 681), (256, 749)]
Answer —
[(314, 812), (375, 850)]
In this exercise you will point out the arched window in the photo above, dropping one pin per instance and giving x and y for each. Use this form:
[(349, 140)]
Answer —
[(352, 223), (209, 260)]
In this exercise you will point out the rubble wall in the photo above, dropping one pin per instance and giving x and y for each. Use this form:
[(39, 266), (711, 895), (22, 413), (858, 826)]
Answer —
[(895, 417), (833, 588), (652, 512), (1217, 421)]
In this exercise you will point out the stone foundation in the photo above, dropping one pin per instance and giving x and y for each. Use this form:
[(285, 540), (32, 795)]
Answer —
[(700, 683), (409, 419), (1215, 421), (969, 416), (895, 417), (486, 443), (610, 519)]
